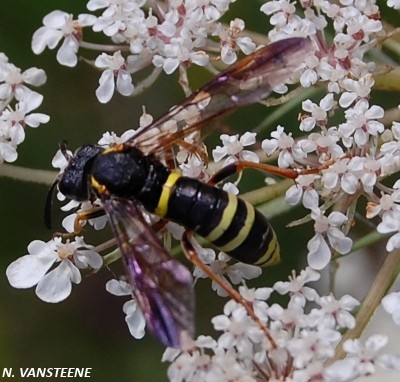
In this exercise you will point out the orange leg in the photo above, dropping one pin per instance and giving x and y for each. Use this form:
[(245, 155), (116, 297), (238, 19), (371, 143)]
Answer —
[(192, 256), (237, 167)]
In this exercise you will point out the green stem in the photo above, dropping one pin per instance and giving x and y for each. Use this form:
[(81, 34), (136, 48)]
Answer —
[(103, 47), (28, 174), (388, 81), (383, 281), (111, 257), (266, 193), (367, 240)]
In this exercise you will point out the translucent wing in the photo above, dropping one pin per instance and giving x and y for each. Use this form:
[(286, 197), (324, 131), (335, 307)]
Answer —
[(162, 286), (248, 81)]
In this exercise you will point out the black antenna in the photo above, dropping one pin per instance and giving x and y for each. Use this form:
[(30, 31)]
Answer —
[(63, 148), (49, 204), (50, 195)]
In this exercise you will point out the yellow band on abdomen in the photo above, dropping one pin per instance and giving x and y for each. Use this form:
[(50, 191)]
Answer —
[(227, 217), (162, 207)]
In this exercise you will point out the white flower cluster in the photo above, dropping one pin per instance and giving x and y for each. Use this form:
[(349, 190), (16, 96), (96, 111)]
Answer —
[(221, 265), (53, 267), (298, 347), (17, 101), (348, 157), (173, 34)]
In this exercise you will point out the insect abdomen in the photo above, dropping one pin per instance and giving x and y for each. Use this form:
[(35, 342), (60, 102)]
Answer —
[(230, 223)]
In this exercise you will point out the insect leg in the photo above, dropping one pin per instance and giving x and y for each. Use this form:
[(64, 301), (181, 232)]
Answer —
[(191, 254), (81, 217), (86, 215), (195, 148), (238, 167)]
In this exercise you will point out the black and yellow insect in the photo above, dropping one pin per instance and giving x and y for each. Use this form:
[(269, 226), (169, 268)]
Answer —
[(133, 176)]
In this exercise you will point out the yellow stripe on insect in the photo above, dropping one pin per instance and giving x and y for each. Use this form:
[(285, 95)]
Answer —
[(272, 256), (244, 231), (227, 217), (162, 207)]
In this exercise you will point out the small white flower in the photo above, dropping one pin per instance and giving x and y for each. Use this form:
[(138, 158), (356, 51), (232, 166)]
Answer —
[(134, 315), (339, 175), (183, 366), (281, 11), (391, 223), (8, 152), (233, 148), (59, 25), (110, 138), (61, 159), (239, 329), (115, 70), (362, 27), (286, 319), (342, 371), (296, 289), (52, 285), (304, 190), (324, 144), (319, 252), (361, 122), (15, 81), (319, 116), (309, 346), (393, 4), (231, 188), (333, 313), (230, 38), (193, 166), (120, 19), (180, 49), (390, 149), (16, 120), (236, 272), (310, 76), (333, 74), (356, 89), (288, 149), (391, 303), (367, 354), (69, 221), (387, 203), (257, 298)]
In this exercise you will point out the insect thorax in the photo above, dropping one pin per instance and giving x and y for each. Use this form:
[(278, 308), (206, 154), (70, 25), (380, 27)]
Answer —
[(128, 173)]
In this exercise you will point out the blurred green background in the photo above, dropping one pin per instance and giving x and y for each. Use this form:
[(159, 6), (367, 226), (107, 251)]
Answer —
[(88, 329)]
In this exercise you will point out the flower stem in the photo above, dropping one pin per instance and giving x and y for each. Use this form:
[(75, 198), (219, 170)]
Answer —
[(267, 193), (28, 174), (383, 281)]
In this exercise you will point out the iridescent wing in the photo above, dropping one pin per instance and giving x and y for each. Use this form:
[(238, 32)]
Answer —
[(162, 286), (248, 81)]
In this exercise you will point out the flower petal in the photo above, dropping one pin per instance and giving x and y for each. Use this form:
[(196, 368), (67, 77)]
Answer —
[(28, 270), (56, 285)]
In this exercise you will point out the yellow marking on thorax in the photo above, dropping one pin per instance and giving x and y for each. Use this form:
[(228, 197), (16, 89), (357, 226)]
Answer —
[(100, 188), (168, 186), (227, 216), (114, 148)]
